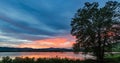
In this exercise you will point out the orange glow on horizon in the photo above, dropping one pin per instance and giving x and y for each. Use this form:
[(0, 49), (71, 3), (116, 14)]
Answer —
[(47, 43)]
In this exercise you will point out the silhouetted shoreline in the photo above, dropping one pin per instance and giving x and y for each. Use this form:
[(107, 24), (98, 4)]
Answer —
[(12, 49)]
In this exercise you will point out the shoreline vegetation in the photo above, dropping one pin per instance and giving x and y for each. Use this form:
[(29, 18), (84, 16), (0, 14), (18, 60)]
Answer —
[(109, 58), (13, 49)]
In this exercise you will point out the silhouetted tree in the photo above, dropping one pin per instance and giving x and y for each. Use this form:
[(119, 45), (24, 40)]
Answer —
[(92, 27)]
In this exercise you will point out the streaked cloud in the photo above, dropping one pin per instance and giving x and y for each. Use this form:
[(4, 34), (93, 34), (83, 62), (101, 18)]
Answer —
[(47, 43), (24, 23)]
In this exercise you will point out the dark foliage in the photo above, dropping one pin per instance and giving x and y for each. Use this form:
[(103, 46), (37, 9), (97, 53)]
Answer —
[(93, 27)]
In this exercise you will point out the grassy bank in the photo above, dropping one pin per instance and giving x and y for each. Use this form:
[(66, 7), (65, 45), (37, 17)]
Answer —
[(108, 59), (113, 58)]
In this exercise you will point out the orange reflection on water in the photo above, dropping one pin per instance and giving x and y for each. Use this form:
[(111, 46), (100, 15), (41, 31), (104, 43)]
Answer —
[(36, 55)]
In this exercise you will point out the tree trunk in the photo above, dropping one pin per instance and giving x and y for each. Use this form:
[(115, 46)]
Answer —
[(100, 55), (100, 49)]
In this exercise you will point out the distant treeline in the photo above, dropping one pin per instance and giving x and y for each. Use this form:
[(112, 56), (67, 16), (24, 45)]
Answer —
[(11, 49)]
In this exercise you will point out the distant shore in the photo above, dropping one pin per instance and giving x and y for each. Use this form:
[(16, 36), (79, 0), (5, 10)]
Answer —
[(12, 49)]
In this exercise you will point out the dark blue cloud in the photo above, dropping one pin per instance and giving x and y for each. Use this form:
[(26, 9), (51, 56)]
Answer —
[(48, 21)]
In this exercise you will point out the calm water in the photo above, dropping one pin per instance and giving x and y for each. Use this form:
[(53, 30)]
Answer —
[(69, 55)]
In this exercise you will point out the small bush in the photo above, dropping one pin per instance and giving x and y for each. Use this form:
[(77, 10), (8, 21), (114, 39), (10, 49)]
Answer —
[(6, 60)]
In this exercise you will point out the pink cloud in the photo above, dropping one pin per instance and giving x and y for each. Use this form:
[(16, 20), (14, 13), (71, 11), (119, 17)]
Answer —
[(59, 42)]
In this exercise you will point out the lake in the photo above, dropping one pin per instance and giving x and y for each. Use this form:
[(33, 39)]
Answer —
[(36, 55)]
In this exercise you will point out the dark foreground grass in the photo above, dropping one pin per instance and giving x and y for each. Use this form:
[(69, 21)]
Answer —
[(54, 60), (42, 60), (113, 58)]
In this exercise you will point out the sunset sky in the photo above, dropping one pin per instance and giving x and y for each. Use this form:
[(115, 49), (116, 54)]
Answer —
[(38, 23)]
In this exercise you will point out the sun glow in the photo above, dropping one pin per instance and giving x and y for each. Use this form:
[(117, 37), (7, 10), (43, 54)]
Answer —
[(47, 43)]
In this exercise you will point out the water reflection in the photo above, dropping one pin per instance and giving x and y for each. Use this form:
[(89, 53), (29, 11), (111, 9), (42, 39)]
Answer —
[(69, 55)]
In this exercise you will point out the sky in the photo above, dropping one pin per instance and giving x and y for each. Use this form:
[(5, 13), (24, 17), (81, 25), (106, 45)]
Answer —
[(38, 23)]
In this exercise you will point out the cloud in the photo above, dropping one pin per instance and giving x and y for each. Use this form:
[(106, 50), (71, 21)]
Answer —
[(23, 21), (27, 36), (6, 41), (47, 43)]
